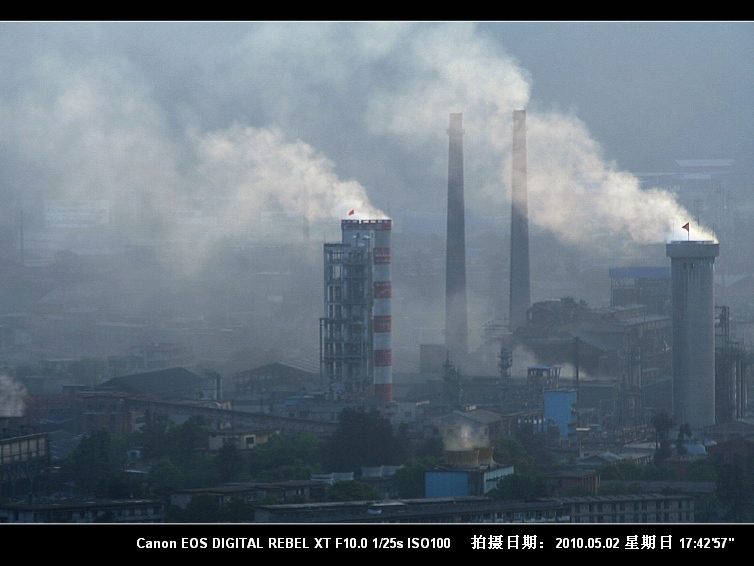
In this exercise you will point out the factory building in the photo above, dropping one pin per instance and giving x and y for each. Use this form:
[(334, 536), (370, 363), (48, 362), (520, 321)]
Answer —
[(356, 329), (693, 331)]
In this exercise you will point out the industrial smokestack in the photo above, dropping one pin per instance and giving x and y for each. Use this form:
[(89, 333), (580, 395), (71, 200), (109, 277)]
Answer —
[(520, 291), (382, 320), (456, 317), (356, 330), (693, 328)]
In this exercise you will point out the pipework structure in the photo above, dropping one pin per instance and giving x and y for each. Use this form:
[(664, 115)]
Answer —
[(356, 329), (456, 313), (520, 286), (693, 331)]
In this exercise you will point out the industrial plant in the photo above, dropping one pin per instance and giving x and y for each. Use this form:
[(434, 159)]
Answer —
[(592, 383), (355, 331)]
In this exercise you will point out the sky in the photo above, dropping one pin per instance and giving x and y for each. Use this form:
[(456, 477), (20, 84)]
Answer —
[(229, 120)]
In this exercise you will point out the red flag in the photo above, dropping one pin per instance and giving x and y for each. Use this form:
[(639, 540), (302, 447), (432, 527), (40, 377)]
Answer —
[(350, 212), (686, 226)]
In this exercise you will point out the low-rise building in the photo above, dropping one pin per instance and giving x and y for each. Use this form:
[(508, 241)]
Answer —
[(77, 511)]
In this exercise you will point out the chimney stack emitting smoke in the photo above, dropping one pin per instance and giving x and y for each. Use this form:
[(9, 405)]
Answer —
[(520, 290), (456, 316), (692, 273)]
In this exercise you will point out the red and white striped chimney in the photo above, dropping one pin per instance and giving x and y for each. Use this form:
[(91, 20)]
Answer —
[(382, 319)]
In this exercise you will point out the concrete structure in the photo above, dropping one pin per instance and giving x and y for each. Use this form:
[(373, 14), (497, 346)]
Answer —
[(24, 464), (456, 314), (559, 410), (356, 356), (693, 331), (520, 287), (630, 508), (436, 510)]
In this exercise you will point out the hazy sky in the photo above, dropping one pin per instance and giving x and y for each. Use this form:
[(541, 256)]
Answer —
[(320, 118)]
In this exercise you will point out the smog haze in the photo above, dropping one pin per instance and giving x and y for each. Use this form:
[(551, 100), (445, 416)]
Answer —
[(176, 175)]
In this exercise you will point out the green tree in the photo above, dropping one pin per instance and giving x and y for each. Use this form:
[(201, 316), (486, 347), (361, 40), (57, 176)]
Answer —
[(537, 446), (510, 450), (735, 489), (432, 447), (283, 458), (188, 440), (364, 439), (164, 477), (408, 480), (229, 462), (201, 472), (156, 435), (203, 508), (95, 460)]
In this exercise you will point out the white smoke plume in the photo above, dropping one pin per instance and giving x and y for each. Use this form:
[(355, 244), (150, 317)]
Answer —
[(97, 132), (96, 121), (256, 169), (585, 200), (94, 130), (12, 397), (573, 190), (465, 437)]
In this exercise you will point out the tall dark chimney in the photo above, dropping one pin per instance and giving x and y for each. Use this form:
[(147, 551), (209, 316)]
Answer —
[(456, 321), (520, 292)]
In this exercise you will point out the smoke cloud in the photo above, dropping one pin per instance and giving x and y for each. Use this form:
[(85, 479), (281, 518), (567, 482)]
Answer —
[(585, 200), (98, 122), (573, 191), (12, 397), (256, 169)]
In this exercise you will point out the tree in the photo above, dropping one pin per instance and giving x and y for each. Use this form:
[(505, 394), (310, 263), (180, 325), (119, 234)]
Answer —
[(283, 458), (364, 439), (203, 508), (96, 459), (351, 491), (520, 486), (432, 447), (164, 478), (735, 488), (155, 436), (408, 480), (229, 462), (510, 450), (188, 440)]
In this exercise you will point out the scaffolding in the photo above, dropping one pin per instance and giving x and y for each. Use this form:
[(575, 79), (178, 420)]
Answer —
[(730, 371), (346, 350)]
